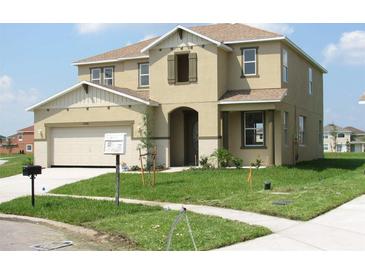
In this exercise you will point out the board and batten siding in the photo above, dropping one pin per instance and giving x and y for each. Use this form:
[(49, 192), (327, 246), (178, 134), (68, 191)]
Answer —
[(95, 97)]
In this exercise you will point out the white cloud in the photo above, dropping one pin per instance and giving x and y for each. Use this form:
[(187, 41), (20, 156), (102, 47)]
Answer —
[(350, 48), (281, 28), (9, 95), (86, 28)]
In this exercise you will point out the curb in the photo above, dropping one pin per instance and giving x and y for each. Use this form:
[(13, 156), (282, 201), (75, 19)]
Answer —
[(72, 228)]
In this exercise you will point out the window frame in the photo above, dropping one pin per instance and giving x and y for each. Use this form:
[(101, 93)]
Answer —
[(20, 137), (100, 76), (105, 78), (286, 128), (244, 129), (310, 81), (342, 135), (31, 148), (325, 147), (285, 67), (140, 74), (244, 74), (301, 134)]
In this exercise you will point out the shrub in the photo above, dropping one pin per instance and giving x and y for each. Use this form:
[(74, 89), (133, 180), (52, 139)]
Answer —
[(135, 168), (222, 156), (257, 163), (237, 162), (204, 162)]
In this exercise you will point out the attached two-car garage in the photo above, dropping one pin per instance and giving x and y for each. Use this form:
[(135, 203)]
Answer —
[(84, 146), (70, 126)]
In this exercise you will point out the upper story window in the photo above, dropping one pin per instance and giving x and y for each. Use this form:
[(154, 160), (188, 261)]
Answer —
[(182, 66), (96, 75), (253, 129), (249, 56), (341, 135), (325, 136), (108, 76), (286, 127), (20, 137), (310, 81), (301, 129), (144, 74), (285, 66)]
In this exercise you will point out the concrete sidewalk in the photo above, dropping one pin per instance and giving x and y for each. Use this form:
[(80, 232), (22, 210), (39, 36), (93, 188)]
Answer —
[(275, 224), (18, 185), (340, 229)]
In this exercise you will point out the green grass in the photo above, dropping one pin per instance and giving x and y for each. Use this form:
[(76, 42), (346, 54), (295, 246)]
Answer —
[(14, 164), (142, 227), (314, 187)]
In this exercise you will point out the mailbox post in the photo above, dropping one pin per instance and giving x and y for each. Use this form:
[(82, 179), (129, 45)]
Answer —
[(32, 172), (115, 144)]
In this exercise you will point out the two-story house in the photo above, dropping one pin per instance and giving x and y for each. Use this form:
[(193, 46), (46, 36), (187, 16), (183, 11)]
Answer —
[(20, 142), (347, 139), (232, 86)]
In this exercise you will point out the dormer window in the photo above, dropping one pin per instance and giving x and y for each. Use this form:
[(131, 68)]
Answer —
[(108, 76), (249, 56), (96, 75)]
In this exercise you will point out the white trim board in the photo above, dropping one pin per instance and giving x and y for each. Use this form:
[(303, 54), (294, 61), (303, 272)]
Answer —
[(59, 94), (163, 37), (110, 60)]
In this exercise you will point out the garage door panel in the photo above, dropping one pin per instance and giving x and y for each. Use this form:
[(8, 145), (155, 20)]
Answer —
[(84, 146)]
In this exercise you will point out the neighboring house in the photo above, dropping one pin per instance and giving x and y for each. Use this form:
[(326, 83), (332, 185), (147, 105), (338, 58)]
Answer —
[(230, 86), (338, 139), (362, 99), (21, 142)]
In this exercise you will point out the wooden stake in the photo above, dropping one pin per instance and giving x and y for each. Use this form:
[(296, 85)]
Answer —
[(142, 170)]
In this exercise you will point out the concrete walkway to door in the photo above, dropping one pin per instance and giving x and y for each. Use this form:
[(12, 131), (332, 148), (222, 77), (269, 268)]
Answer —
[(16, 186)]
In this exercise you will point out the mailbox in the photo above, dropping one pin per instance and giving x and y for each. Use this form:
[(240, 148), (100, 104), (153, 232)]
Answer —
[(32, 170)]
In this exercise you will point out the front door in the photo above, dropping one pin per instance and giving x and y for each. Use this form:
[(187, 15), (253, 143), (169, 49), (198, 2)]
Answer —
[(191, 141)]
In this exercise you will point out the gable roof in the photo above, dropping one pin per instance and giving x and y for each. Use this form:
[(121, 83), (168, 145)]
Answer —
[(222, 35), (354, 130), (253, 96), (126, 53), (228, 33), (331, 127), (27, 129), (139, 96)]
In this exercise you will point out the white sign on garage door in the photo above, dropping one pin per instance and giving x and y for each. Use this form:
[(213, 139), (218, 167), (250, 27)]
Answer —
[(84, 146)]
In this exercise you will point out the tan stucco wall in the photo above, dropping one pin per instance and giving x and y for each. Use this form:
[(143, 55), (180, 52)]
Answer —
[(204, 90), (125, 73), (268, 67), (297, 103)]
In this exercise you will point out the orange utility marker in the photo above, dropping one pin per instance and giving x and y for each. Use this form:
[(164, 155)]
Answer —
[(250, 177)]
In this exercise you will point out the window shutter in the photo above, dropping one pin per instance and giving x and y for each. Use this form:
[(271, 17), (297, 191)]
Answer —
[(193, 74), (171, 69)]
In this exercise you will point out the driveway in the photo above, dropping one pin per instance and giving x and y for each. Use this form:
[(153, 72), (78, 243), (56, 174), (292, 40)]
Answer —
[(342, 228), (18, 185)]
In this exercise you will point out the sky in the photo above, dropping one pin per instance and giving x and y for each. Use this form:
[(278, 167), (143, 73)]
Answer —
[(36, 62)]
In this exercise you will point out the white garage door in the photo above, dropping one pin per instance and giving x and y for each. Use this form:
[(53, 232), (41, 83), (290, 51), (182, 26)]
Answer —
[(84, 146)]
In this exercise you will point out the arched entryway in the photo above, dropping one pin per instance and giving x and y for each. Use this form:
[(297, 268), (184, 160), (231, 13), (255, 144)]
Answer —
[(184, 142)]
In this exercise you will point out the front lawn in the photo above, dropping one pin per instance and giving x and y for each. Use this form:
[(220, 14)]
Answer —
[(311, 188), (14, 164), (138, 227)]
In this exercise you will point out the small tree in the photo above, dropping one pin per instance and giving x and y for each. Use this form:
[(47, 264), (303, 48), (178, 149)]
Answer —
[(145, 132), (333, 132)]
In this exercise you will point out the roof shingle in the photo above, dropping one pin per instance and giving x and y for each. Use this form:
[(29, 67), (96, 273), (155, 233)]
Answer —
[(219, 32), (269, 94)]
